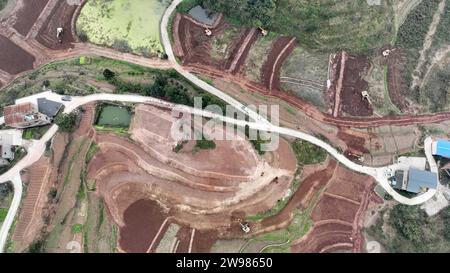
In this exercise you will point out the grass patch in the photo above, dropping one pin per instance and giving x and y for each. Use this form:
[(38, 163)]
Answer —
[(205, 144), (308, 153), (125, 25), (93, 149), (279, 206), (3, 213), (35, 132), (77, 228)]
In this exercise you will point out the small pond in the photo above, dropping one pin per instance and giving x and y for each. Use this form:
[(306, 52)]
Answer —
[(116, 116), (203, 15)]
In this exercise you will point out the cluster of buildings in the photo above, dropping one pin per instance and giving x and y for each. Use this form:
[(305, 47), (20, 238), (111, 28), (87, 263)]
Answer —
[(416, 179), (22, 115), (29, 114)]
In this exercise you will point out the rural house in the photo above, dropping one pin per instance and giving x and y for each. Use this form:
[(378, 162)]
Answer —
[(24, 115)]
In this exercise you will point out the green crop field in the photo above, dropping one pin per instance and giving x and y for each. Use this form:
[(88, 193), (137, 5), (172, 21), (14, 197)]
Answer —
[(126, 25)]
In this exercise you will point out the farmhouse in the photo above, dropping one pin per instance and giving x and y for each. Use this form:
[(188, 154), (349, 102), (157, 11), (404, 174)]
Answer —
[(31, 113), (414, 180), (24, 115), (441, 148)]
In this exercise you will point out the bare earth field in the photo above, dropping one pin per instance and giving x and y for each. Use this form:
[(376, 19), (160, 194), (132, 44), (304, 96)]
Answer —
[(13, 58), (338, 216), (202, 190)]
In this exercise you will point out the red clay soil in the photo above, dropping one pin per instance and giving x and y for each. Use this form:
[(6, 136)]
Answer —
[(396, 85), (28, 14), (352, 101), (204, 240), (270, 72), (192, 46), (338, 216), (195, 45), (142, 222), (308, 187), (61, 16), (241, 52), (87, 120), (355, 144), (313, 112), (13, 59), (184, 236), (330, 207)]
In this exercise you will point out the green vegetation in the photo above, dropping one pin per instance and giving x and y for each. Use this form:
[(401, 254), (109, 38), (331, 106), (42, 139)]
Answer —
[(308, 153), (441, 36), (35, 132), (3, 213), (205, 144), (114, 116), (93, 149), (437, 89), (3, 4), (281, 240), (77, 228), (412, 230), (125, 25), (187, 5), (66, 122), (70, 78), (323, 25), (280, 205), (411, 36)]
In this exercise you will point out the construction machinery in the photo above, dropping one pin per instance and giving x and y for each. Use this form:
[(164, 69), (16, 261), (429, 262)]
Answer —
[(365, 95), (208, 32), (245, 226), (59, 33), (264, 32)]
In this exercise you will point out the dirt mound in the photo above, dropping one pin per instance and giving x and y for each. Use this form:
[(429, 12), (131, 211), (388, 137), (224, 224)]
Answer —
[(13, 59), (61, 16)]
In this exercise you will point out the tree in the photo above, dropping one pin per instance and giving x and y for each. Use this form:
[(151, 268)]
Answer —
[(66, 122), (108, 74)]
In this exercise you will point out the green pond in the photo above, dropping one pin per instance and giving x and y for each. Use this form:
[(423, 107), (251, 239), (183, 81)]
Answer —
[(115, 116)]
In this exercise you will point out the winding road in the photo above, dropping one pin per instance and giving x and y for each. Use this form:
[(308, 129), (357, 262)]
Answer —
[(37, 147)]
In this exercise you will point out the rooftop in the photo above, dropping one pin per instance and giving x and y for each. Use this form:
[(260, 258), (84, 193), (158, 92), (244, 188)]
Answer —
[(48, 107), (443, 148), (15, 114), (419, 180)]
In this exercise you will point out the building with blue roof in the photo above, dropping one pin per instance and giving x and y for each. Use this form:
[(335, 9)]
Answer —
[(420, 181), (415, 180), (441, 148)]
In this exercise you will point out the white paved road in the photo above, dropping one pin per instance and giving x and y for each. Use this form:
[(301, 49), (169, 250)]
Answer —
[(165, 39), (37, 149)]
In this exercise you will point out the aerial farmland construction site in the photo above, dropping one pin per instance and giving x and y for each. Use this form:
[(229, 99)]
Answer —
[(129, 133)]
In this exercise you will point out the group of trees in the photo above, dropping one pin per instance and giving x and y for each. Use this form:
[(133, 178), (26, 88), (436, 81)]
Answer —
[(257, 13), (167, 85), (321, 25), (66, 122)]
